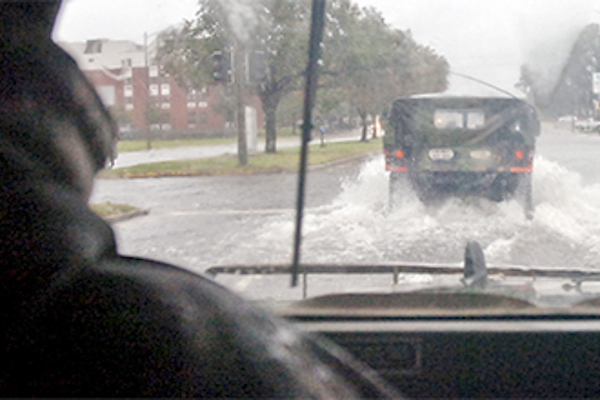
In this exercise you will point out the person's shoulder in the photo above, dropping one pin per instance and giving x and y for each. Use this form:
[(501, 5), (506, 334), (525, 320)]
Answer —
[(135, 319), (131, 279)]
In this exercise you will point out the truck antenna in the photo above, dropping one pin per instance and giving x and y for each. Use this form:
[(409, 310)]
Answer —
[(484, 83)]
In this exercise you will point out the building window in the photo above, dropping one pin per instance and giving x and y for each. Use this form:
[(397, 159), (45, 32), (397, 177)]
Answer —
[(93, 46), (165, 105), (165, 89), (202, 93), (153, 90), (129, 106), (166, 127), (128, 90), (202, 104), (128, 74), (191, 104), (192, 119), (203, 118), (154, 71)]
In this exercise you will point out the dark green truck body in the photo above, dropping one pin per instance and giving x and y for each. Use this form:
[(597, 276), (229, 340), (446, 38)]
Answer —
[(462, 146)]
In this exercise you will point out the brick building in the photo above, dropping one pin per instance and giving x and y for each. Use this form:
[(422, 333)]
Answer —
[(142, 96)]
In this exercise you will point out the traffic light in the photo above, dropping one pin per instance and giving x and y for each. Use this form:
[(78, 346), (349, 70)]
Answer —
[(221, 63)]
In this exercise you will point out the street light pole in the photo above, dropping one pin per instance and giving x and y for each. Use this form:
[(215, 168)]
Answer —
[(240, 97), (147, 84)]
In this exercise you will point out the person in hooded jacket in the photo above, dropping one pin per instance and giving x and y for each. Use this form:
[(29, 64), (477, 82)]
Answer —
[(78, 319)]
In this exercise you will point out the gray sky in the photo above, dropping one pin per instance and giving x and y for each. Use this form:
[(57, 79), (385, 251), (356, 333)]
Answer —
[(488, 39), (119, 19)]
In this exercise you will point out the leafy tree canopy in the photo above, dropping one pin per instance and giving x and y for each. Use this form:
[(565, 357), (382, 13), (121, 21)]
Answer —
[(363, 59)]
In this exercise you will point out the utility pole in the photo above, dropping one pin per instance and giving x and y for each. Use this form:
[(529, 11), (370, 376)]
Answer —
[(229, 69), (147, 83), (239, 83)]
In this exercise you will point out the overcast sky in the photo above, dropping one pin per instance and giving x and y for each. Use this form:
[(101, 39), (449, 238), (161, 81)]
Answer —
[(489, 39)]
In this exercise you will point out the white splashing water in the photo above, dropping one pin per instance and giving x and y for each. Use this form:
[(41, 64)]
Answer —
[(357, 226)]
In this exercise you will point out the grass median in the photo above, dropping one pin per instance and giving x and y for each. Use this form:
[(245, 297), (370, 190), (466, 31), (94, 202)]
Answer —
[(108, 209), (283, 160), (125, 146)]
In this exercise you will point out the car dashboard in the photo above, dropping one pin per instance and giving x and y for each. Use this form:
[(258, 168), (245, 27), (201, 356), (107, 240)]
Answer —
[(473, 356), (486, 332)]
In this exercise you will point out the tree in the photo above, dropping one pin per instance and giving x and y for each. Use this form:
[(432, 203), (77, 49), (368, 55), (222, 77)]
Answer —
[(121, 116), (154, 115), (364, 60), (289, 111), (373, 63), (283, 36), (278, 29)]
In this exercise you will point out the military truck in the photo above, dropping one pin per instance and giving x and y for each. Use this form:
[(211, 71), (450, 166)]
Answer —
[(462, 146)]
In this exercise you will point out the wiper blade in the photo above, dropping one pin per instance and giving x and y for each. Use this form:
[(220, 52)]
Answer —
[(316, 34), (408, 268), (578, 276)]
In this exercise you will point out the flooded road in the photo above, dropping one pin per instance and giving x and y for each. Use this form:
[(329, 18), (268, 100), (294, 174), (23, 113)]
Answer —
[(205, 221)]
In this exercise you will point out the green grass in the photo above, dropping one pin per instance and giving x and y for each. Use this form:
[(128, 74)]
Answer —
[(284, 160), (141, 145), (109, 209)]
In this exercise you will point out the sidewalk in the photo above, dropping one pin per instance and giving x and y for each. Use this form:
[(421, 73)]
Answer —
[(129, 159)]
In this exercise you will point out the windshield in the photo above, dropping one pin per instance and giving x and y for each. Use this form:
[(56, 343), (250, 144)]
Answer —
[(435, 123), (459, 119)]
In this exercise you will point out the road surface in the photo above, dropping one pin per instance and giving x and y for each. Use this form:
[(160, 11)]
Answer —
[(198, 222)]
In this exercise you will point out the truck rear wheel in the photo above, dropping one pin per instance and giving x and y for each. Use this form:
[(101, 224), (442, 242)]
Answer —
[(398, 185), (524, 194), (503, 187)]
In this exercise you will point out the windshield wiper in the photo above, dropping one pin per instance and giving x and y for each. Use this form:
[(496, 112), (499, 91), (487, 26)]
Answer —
[(474, 270), (316, 34)]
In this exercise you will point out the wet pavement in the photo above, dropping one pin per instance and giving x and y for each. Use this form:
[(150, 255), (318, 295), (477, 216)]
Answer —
[(198, 222)]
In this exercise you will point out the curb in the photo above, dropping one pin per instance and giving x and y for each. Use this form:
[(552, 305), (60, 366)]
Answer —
[(172, 174), (350, 160), (125, 216)]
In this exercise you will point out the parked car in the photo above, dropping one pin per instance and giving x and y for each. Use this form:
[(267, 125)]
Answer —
[(588, 124)]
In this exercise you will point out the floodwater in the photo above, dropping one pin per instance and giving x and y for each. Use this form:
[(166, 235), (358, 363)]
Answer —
[(356, 227)]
